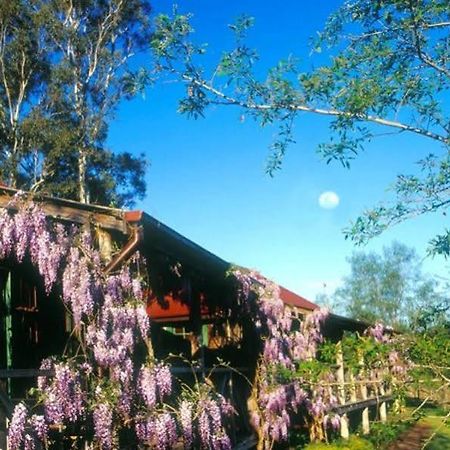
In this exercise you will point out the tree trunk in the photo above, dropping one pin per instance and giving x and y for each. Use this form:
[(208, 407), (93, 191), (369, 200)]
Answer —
[(82, 167)]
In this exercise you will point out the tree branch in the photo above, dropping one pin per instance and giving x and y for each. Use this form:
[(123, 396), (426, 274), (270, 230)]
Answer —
[(4, 78), (320, 111), (420, 53), (425, 26), (444, 421)]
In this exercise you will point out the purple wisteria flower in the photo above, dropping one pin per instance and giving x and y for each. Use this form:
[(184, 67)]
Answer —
[(147, 386), (103, 425), (17, 427), (211, 430), (64, 396), (78, 285), (333, 421), (7, 236), (278, 399), (185, 412), (39, 426), (158, 431), (163, 380), (29, 443)]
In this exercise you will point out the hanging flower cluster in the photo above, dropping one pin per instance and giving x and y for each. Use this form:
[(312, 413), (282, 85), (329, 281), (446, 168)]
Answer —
[(102, 388), (27, 233), (399, 366), (278, 396), (202, 412), (380, 333)]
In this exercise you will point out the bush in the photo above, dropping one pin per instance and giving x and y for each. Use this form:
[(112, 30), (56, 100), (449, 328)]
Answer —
[(381, 434)]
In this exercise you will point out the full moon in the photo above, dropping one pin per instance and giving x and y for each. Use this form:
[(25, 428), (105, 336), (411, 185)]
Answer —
[(328, 200)]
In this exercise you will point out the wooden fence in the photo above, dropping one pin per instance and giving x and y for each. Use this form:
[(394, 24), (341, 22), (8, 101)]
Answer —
[(359, 392), (355, 392)]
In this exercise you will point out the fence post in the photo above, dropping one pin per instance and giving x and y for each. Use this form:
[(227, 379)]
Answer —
[(353, 396), (340, 373), (365, 411), (382, 411), (341, 388)]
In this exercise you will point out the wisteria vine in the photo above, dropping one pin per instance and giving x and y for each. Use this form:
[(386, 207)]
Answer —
[(104, 393), (101, 391), (277, 393), (293, 376)]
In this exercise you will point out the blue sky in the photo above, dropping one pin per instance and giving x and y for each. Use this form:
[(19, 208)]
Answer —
[(207, 178)]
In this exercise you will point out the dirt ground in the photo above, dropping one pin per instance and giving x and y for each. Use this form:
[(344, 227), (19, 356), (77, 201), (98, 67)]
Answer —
[(413, 438)]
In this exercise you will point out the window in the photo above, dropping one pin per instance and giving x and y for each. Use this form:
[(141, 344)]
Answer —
[(32, 324)]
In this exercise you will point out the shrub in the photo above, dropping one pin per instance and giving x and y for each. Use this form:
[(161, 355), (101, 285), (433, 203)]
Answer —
[(381, 434)]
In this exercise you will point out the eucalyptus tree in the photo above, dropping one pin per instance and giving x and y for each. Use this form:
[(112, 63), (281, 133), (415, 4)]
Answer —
[(24, 72), (389, 69), (390, 286), (92, 43), (64, 69)]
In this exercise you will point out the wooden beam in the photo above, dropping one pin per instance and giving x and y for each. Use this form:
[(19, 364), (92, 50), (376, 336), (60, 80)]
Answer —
[(71, 211), (355, 406), (24, 373)]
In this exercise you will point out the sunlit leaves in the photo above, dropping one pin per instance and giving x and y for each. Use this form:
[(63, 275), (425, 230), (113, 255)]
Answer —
[(426, 192), (66, 72), (388, 70), (381, 286)]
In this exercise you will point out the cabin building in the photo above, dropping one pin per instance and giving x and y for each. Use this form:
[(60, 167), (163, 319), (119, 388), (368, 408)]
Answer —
[(189, 289)]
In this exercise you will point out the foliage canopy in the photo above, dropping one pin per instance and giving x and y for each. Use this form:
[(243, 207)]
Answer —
[(389, 68), (392, 288), (64, 68)]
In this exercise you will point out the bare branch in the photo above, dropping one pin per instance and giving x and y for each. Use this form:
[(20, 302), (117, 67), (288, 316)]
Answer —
[(426, 26), (320, 111)]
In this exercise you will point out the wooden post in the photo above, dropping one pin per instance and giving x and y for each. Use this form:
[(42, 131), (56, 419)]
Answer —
[(196, 323), (383, 407), (365, 411), (351, 377), (344, 427), (340, 373), (340, 376), (105, 244), (397, 407), (383, 412)]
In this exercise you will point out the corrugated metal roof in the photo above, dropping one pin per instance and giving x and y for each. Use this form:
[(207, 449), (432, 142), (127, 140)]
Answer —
[(293, 299)]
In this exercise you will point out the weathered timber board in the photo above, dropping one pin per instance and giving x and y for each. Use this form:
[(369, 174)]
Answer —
[(354, 406), (74, 212)]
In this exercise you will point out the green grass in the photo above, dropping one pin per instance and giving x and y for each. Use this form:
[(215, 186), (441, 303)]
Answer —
[(442, 439), (354, 443), (384, 433)]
